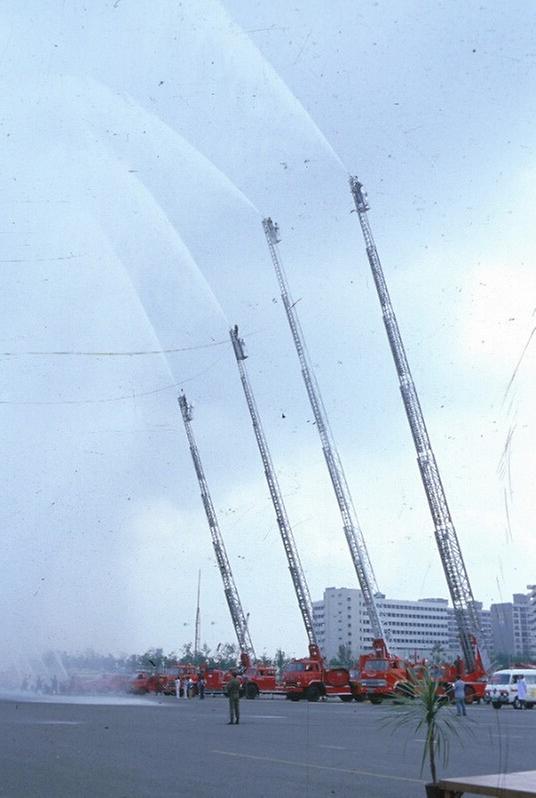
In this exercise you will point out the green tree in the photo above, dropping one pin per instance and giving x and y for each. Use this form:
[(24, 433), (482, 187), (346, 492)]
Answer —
[(187, 654), (153, 659), (227, 656), (344, 658), (426, 711), (437, 654), (280, 660)]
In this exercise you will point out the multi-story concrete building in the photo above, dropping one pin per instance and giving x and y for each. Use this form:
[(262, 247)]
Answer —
[(511, 626), (486, 631), (417, 627), (425, 626), (532, 618)]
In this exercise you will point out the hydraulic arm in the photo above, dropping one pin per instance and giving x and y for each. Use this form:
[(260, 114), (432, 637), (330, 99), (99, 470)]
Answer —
[(445, 533), (352, 529), (294, 564), (247, 652)]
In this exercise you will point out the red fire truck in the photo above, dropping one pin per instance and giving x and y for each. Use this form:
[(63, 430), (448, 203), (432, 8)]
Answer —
[(475, 679), (258, 679), (309, 678), (380, 674)]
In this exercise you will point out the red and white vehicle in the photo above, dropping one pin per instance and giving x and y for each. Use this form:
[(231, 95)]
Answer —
[(475, 679), (472, 669), (309, 678), (258, 679), (148, 683), (380, 674), (383, 675)]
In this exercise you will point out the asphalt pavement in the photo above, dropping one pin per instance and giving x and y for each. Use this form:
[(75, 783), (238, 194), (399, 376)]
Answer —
[(162, 747)]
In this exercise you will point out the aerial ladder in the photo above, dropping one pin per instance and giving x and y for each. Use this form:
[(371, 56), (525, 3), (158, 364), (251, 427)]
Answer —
[(352, 529), (239, 619), (308, 678), (445, 533)]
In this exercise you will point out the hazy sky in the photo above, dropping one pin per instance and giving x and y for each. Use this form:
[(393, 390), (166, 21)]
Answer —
[(142, 144)]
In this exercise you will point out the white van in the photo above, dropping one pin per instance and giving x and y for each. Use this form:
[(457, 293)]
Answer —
[(502, 687)]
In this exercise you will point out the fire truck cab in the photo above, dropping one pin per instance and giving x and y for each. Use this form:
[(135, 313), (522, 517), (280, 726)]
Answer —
[(258, 679), (308, 678), (381, 675)]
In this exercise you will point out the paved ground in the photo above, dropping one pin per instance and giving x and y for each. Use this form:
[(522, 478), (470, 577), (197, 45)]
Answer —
[(155, 748)]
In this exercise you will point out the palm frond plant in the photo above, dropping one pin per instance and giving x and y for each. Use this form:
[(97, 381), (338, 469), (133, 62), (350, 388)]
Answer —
[(424, 708)]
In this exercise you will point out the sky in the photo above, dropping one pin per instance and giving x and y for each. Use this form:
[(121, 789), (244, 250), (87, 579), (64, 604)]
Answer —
[(142, 145)]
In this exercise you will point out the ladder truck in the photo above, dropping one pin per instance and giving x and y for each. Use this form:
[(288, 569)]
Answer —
[(381, 675), (307, 677), (471, 668), (255, 677)]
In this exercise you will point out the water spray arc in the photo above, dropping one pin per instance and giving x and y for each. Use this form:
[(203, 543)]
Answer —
[(352, 529)]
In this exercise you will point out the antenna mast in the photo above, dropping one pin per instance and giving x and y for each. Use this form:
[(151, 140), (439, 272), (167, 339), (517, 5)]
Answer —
[(294, 564), (240, 621), (445, 533), (352, 529)]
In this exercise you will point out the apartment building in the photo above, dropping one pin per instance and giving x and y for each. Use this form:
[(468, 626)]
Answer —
[(532, 618), (419, 628), (487, 640), (512, 626)]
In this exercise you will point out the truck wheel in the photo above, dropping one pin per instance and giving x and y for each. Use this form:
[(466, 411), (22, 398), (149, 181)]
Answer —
[(252, 691), (376, 699), (529, 706), (346, 698), (293, 696), (313, 692), (496, 704), (516, 704)]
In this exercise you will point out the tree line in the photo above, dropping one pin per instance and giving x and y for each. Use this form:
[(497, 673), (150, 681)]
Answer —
[(224, 657)]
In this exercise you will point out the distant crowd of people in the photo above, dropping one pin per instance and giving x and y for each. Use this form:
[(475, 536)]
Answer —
[(187, 688)]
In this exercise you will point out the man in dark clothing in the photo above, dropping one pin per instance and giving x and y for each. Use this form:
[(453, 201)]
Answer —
[(233, 694)]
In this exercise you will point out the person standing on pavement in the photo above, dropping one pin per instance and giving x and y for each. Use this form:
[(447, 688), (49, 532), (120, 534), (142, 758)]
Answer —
[(233, 694), (459, 696), (201, 686), (521, 691), (178, 686)]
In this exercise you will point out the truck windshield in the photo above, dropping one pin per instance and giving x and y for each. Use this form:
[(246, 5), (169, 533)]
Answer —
[(500, 678), (374, 665), (295, 666)]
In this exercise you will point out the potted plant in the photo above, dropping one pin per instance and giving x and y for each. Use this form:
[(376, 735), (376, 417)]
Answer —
[(424, 707)]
